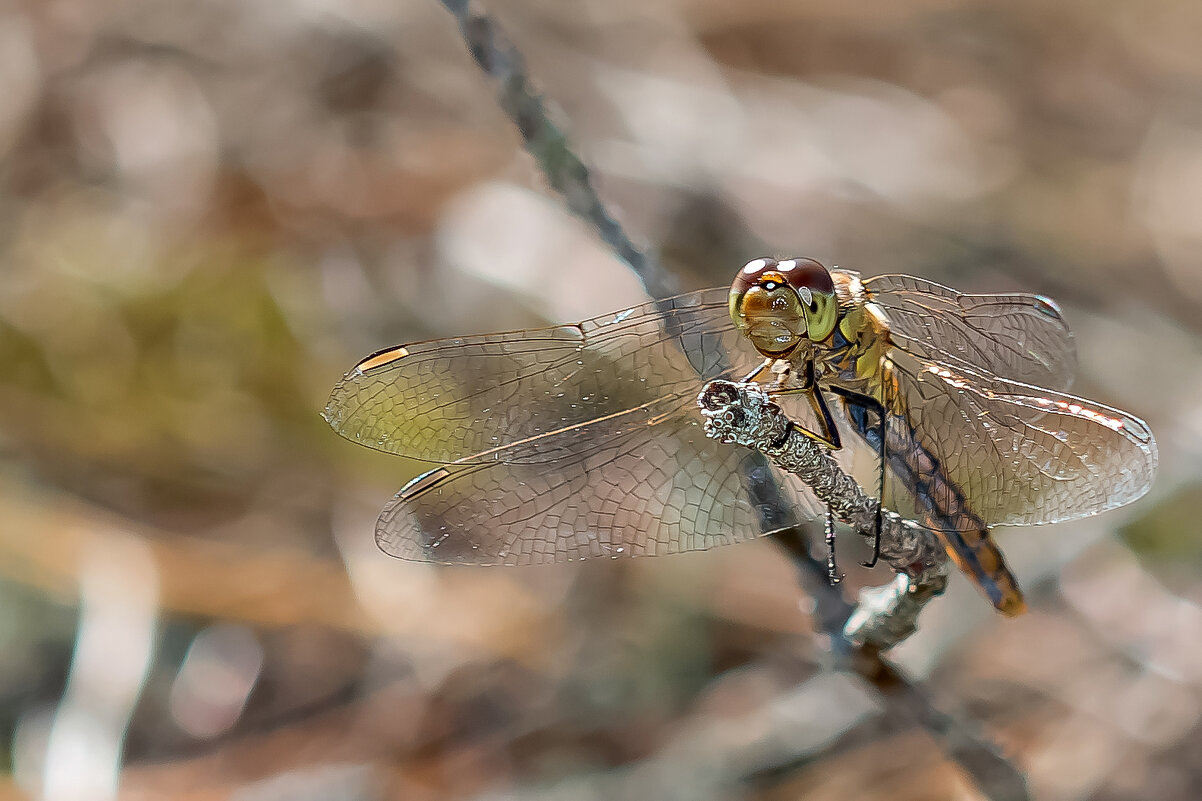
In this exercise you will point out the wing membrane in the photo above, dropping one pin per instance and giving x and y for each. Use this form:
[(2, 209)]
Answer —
[(584, 440), (1016, 454), (566, 442), (452, 399), (1016, 336), (618, 487)]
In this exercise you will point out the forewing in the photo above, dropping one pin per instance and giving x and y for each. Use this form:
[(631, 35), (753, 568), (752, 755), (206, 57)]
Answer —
[(453, 399), (1016, 453), (624, 485), (1019, 337)]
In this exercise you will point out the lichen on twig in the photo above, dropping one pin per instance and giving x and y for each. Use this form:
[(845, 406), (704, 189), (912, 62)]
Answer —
[(744, 414)]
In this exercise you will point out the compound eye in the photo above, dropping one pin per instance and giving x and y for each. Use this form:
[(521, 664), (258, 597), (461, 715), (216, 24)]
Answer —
[(757, 272), (807, 274)]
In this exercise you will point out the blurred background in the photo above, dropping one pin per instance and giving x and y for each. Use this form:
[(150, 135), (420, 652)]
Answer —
[(210, 210)]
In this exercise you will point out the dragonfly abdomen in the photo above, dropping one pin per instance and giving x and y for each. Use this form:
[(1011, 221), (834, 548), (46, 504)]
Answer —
[(943, 508)]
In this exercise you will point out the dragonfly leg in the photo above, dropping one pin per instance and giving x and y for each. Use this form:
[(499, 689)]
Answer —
[(754, 374), (828, 433), (869, 404), (832, 568), (876, 539)]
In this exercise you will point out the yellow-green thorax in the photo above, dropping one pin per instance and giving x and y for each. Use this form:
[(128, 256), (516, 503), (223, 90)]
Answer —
[(855, 355)]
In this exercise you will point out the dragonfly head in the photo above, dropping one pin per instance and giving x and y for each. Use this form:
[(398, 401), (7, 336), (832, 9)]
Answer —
[(779, 304)]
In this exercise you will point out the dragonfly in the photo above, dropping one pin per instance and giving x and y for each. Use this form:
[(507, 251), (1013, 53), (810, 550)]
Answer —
[(584, 440)]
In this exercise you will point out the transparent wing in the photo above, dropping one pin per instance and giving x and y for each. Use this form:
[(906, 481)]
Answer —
[(643, 483), (454, 399), (1017, 336), (1009, 453), (565, 442)]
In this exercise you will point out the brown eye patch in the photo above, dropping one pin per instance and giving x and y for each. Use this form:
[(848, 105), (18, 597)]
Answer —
[(806, 273)]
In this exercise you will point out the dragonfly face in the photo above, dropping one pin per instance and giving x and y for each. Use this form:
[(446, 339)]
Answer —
[(779, 304), (584, 440)]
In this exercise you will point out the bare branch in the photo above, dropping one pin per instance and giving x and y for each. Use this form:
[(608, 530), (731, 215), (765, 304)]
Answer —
[(567, 174), (744, 414), (544, 140)]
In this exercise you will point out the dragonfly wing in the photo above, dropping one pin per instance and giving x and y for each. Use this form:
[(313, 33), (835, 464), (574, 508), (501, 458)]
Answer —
[(624, 485), (1017, 336), (451, 399), (1012, 453)]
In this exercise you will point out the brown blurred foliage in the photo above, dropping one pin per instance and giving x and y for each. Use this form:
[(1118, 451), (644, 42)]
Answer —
[(209, 210)]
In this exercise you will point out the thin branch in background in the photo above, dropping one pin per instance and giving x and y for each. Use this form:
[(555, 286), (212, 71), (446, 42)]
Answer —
[(568, 175), (544, 140)]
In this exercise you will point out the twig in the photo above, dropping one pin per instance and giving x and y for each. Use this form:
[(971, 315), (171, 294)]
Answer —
[(567, 174), (744, 414), (544, 140), (995, 775)]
